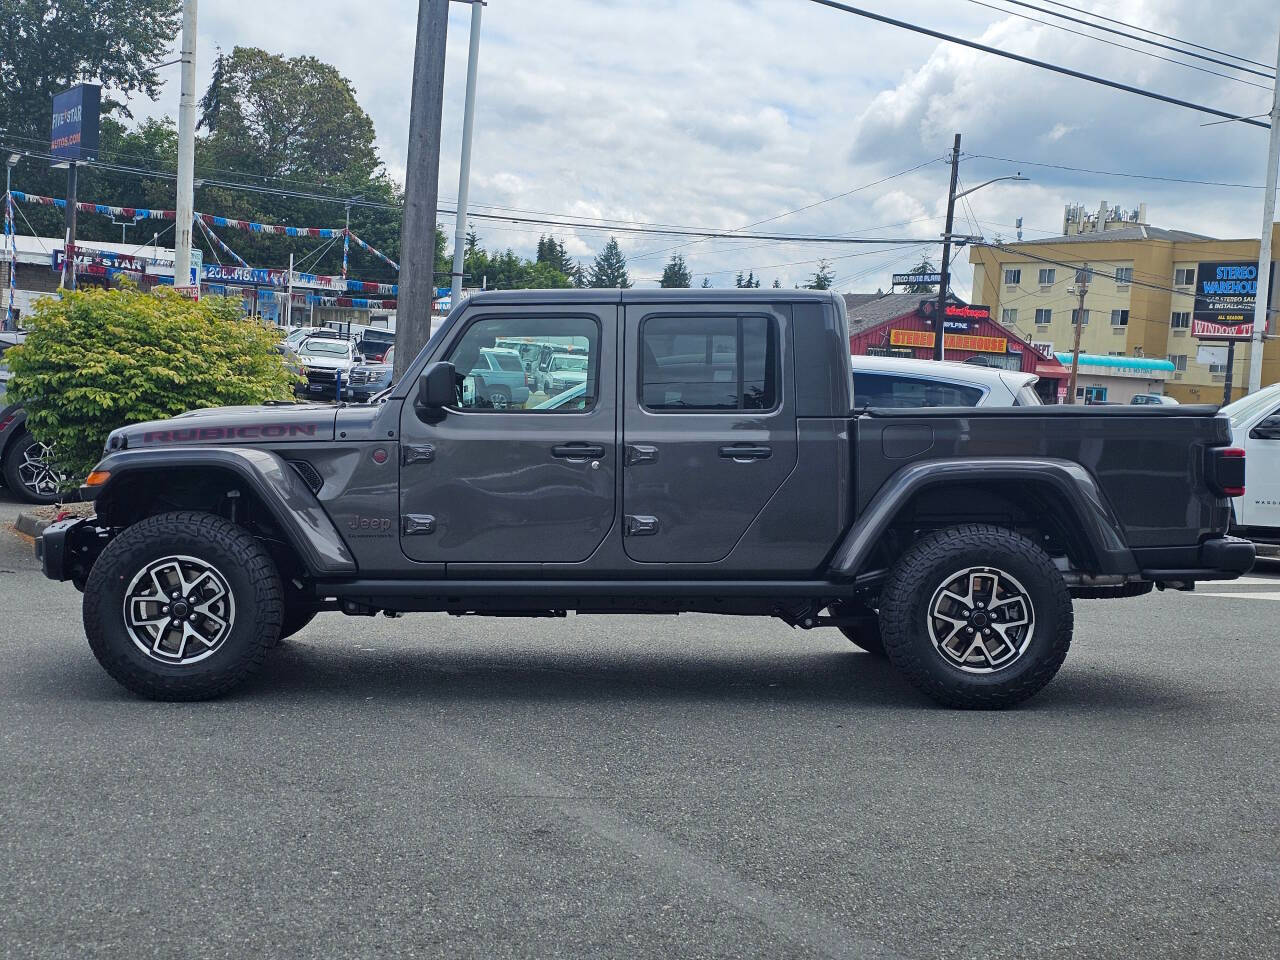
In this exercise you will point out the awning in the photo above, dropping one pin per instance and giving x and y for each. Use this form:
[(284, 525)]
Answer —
[(1119, 365)]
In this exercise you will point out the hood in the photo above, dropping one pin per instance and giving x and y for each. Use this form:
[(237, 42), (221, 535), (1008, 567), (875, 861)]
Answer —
[(286, 423), (324, 363)]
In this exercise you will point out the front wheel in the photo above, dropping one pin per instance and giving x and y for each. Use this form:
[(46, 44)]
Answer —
[(976, 616), (182, 606)]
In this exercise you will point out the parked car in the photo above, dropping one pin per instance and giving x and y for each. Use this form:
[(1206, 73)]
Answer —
[(293, 339), (738, 478), (563, 370), (25, 466), (1150, 399), (903, 382), (321, 358), (369, 377), (1255, 429), (499, 378)]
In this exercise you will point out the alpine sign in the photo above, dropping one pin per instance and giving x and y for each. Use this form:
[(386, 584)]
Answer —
[(1225, 297)]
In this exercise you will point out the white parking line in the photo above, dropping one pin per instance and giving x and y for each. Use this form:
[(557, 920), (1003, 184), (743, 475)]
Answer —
[(1268, 595)]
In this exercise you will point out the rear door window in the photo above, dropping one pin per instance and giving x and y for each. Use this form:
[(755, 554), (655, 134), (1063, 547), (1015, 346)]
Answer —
[(708, 363), (892, 391)]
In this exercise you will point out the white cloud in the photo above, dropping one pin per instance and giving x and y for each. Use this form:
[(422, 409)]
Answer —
[(722, 113)]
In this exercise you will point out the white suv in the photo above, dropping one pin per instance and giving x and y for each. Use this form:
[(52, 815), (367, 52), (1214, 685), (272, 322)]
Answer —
[(906, 382)]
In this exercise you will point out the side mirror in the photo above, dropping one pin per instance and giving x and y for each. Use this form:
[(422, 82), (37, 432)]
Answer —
[(1268, 429), (437, 387)]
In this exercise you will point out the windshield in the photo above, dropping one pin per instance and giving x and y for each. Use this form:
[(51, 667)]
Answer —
[(324, 348), (1244, 409), (569, 363)]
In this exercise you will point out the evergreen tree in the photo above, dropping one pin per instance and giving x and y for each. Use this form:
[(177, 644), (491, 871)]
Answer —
[(738, 280), (676, 273), (924, 266), (777, 284), (823, 277), (610, 268), (706, 282)]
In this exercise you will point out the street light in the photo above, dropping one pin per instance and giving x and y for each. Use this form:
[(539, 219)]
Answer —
[(940, 323)]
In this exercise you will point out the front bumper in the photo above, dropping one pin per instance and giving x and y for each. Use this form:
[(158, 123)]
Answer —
[(1223, 558), (68, 549)]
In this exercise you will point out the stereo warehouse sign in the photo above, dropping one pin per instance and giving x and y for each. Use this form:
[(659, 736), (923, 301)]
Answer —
[(1225, 297)]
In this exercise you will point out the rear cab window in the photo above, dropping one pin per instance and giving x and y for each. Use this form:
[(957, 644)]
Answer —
[(708, 363)]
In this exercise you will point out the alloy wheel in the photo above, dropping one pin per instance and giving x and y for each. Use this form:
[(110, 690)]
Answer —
[(179, 610), (981, 620), (36, 472)]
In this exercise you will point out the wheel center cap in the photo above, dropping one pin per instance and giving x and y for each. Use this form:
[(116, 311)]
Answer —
[(180, 609), (979, 618)]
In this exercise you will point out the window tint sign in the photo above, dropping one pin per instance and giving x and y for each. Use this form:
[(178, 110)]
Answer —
[(74, 134), (1225, 298)]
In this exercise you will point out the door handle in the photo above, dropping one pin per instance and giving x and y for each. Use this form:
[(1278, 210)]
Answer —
[(743, 452), (577, 451)]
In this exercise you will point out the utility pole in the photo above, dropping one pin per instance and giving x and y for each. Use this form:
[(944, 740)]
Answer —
[(1261, 317), (185, 215), (464, 171), (940, 320), (11, 238), (1082, 287), (69, 245), (422, 183)]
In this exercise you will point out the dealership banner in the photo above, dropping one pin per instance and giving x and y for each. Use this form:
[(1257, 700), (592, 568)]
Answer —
[(99, 258), (249, 276), (1226, 294)]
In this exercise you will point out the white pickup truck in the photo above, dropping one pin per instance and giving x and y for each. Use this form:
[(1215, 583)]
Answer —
[(1255, 428)]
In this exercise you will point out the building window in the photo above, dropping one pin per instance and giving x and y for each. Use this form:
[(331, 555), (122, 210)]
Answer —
[(1093, 394), (1124, 275), (1119, 318), (1009, 316), (1013, 276), (1217, 368), (1075, 317), (1047, 275), (1180, 319), (1179, 361), (1044, 316), (1184, 276)]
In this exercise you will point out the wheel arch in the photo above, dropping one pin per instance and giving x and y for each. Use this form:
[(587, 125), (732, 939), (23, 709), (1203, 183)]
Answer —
[(145, 482), (1058, 498)]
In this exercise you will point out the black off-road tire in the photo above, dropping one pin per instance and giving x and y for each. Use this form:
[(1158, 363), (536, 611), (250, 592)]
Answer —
[(249, 572), (924, 569)]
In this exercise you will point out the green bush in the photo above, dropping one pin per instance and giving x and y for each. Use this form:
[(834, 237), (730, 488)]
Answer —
[(97, 359)]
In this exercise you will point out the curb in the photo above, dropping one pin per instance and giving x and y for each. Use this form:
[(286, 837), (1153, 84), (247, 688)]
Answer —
[(30, 524)]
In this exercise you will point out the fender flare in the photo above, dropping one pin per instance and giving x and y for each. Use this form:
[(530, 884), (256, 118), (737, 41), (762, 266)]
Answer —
[(1074, 488), (292, 505)]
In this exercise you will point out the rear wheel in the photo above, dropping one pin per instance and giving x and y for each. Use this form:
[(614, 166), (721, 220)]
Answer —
[(976, 616), (182, 606), (499, 398), (29, 472)]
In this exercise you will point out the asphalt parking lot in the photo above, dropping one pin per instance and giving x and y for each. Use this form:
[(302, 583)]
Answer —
[(642, 787)]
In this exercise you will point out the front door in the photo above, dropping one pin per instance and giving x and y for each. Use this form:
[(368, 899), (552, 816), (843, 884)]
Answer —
[(1261, 500), (513, 474), (709, 433)]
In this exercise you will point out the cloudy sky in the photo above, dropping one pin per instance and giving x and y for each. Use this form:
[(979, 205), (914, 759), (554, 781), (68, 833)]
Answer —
[(722, 113)]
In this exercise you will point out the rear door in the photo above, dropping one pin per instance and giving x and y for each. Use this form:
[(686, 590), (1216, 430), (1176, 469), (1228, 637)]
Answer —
[(1260, 505), (709, 431)]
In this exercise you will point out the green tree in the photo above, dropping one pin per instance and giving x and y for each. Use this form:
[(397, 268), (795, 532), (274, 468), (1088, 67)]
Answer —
[(50, 45), (294, 122), (706, 282), (552, 252), (822, 278), (777, 284), (739, 280), (924, 266), (96, 359), (610, 268), (676, 273)]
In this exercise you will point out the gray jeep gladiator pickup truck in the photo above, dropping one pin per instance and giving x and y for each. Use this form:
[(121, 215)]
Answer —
[(711, 462)]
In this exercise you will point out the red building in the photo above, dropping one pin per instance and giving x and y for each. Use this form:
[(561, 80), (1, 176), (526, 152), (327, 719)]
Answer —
[(902, 325)]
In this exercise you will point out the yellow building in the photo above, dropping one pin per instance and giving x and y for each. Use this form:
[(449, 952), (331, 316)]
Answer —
[(1140, 296)]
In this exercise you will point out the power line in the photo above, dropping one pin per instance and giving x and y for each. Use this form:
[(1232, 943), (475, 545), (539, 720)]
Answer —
[(1030, 61), (1121, 33), (1154, 33), (1122, 46), (810, 206), (1114, 173)]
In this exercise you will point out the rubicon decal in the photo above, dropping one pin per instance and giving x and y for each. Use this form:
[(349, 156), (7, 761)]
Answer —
[(264, 431)]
